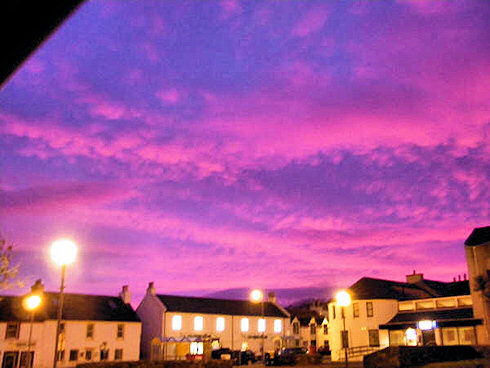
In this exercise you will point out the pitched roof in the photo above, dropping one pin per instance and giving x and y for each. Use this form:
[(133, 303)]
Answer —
[(187, 304), (79, 307), (371, 288), (478, 236)]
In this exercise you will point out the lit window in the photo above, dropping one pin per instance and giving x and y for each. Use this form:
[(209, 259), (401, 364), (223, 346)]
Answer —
[(176, 323), (261, 325), (277, 325), (220, 324), (197, 348), (198, 323), (244, 324)]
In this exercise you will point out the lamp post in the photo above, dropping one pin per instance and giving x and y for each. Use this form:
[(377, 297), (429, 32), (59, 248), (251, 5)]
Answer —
[(343, 300), (30, 303), (257, 296), (63, 252)]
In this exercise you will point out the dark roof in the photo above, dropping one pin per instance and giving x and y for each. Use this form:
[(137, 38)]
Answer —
[(478, 236), (444, 317), (371, 288), (75, 307), (28, 27), (189, 304)]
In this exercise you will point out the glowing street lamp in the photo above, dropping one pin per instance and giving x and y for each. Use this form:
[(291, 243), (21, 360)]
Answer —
[(343, 300), (257, 296), (63, 252), (30, 303)]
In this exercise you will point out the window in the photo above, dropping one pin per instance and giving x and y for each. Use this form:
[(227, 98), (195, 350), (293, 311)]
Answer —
[(23, 359), (198, 323), (325, 329), (62, 328), (176, 323), (373, 337), (397, 337), (296, 328), (104, 354), (88, 354), (333, 312), (344, 337), (118, 354), (73, 355), (220, 324), (61, 355), (355, 310), (90, 331), (12, 331), (312, 329), (277, 325), (244, 324), (369, 309), (120, 331), (197, 348), (261, 325)]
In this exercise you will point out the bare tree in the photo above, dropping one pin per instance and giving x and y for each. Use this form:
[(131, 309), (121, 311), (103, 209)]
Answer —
[(8, 270)]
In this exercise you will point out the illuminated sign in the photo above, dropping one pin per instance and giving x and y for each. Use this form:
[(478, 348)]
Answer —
[(426, 325)]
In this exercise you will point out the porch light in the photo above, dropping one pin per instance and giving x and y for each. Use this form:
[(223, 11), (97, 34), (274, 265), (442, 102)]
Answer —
[(426, 325)]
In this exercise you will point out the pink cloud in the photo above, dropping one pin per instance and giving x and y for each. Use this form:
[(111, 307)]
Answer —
[(312, 21), (169, 96)]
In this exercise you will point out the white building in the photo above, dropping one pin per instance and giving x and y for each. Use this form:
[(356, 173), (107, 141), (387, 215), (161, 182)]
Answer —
[(416, 312), (175, 326), (93, 328), (477, 248)]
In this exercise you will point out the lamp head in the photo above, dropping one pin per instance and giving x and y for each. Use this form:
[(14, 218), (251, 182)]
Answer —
[(31, 302), (63, 252), (343, 298), (256, 296)]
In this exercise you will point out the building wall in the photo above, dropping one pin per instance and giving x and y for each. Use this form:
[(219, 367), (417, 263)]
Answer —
[(43, 340), (358, 328), (150, 311), (232, 336), (478, 259)]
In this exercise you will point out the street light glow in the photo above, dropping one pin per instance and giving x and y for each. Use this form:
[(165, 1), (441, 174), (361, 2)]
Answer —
[(343, 298), (31, 302), (256, 295), (63, 252)]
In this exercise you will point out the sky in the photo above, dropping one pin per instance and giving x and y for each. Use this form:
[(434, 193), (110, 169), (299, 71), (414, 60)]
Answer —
[(208, 145)]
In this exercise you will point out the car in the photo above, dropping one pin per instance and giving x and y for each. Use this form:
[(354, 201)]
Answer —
[(284, 356), (223, 353), (240, 357)]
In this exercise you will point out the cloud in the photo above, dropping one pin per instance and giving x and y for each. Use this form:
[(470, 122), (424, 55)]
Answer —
[(311, 21)]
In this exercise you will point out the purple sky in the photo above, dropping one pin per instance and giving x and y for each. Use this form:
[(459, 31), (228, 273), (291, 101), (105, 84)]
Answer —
[(277, 144)]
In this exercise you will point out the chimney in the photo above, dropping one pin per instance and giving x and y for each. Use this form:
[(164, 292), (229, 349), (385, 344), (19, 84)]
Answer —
[(38, 287), (151, 289), (415, 277), (125, 295), (459, 277), (464, 276), (271, 297), (454, 279)]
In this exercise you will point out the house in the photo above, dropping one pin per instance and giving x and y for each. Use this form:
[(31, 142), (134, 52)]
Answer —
[(94, 328), (415, 312), (309, 331), (477, 248), (175, 327)]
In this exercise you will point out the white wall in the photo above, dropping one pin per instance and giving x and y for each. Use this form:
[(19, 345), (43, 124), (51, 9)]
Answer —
[(383, 311), (43, 340)]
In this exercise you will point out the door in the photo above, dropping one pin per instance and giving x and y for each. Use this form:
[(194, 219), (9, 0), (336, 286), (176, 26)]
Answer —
[(10, 359), (428, 337)]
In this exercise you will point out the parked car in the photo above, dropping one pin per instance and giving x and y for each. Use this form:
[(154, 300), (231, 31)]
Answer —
[(284, 356), (223, 353), (243, 357)]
